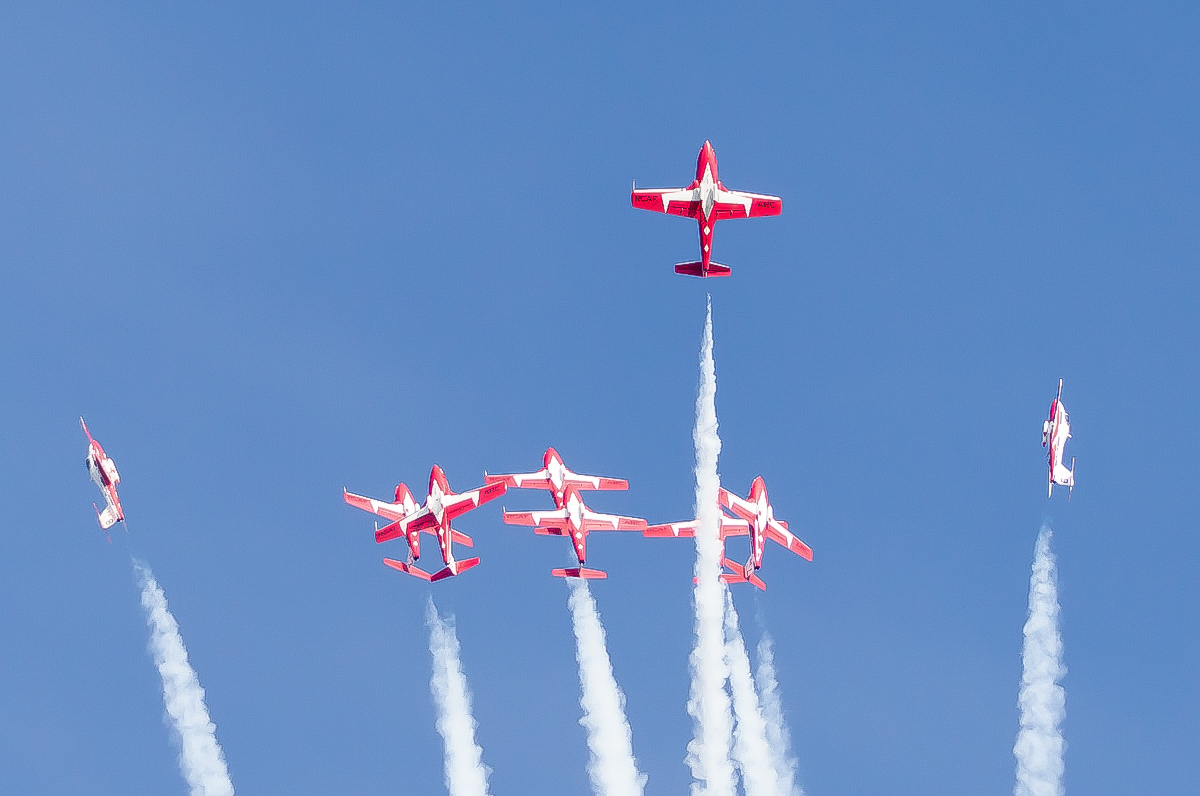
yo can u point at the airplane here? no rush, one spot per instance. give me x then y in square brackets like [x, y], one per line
[557, 478]
[434, 517]
[730, 526]
[707, 200]
[1055, 432]
[575, 520]
[760, 514]
[104, 472]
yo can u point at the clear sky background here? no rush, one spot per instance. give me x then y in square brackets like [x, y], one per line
[269, 251]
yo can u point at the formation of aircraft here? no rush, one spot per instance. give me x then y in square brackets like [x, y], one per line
[1056, 430]
[434, 516]
[708, 201]
[104, 472]
[753, 516]
[571, 516]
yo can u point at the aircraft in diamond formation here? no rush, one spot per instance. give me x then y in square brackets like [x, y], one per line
[104, 472]
[433, 517]
[1056, 430]
[708, 201]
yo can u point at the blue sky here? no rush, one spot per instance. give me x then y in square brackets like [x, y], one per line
[271, 251]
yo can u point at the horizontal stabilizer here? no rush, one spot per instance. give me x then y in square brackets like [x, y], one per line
[461, 538]
[388, 532]
[455, 568]
[697, 269]
[108, 518]
[408, 569]
[579, 572]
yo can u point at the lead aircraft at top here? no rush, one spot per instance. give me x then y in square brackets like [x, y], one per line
[707, 201]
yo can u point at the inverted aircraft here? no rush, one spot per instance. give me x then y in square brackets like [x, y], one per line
[103, 471]
[1056, 430]
[409, 520]
[708, 201]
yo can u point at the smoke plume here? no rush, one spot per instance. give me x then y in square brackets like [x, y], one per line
[779, 740]
[201, 760]
[708, 703]
[750, 749]
[611, 764]
[466, 775]
[1040, 746]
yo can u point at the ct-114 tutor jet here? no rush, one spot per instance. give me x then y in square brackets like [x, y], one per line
[707, 201]
[557, 478]
[756, 519]
[575, 520]
[410, 520]
[104, 472]
[1055, 432]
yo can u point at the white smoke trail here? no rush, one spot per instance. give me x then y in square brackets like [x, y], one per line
[200, 757]
[611, 764]
[708, 702]
[466, 774]
[779, 740]
[750, 750]
[1039, 747]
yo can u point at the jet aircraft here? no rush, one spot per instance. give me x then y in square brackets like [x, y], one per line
[707, 200]
[730, 526]
[104, 472]
[557, 478]
[434, 517]
[1056, 430]
[760, 514]
[575, 520]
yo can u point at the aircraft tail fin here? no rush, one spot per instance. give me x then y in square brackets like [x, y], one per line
[454, 568]
[579, 572]
[697, 269]
[408, 569]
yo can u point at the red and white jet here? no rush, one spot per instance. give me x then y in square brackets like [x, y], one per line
[575, 520]
[1056, 430]
[760, 514]
[410, 520]
[104, 472]
[557, 478]
[730, 526]
[707, 200]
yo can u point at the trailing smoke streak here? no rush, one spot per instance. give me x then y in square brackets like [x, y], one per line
[1039, 747]
[611, 764]
[708, 703]
[466, 775]
[750, 750]
[201, 760]
[779, 740]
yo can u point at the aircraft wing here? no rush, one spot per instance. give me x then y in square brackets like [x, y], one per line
[540, 519]
[595, 521]
[391, 511]
[595, 482]
[739, 204]
[420, 520]
[674, 201]
[463, 502]
[538, 480]
[729, 527]
[743, 508]
[778, 532]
